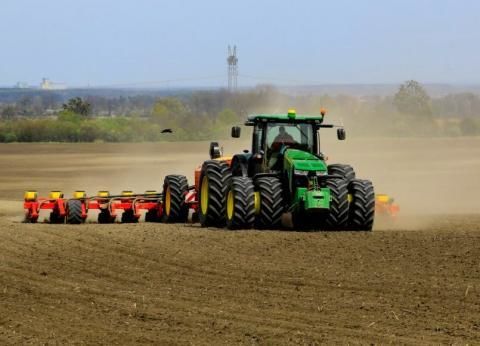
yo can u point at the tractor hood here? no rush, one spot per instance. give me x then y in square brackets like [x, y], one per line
[304, 161]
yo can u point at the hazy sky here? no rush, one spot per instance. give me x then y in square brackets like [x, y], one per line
[111, 42]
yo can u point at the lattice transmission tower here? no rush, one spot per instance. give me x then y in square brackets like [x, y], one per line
[232, 61]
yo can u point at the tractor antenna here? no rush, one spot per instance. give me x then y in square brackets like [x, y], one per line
[232, 62]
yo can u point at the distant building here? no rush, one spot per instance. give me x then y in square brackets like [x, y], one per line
[21, 85]
[47, 84]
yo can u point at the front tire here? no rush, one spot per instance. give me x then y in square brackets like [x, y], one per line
[362, 206]
[240, 213]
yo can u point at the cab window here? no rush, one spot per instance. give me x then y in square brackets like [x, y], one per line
[299, 136]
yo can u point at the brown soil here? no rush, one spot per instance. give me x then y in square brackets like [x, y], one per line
[413, 281]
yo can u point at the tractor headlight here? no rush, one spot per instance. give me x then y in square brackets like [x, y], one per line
[300, 172]
[320, 173]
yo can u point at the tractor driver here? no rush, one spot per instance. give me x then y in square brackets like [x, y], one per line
[281, 140]
[283, 137]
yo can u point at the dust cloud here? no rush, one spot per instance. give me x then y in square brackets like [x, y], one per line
[426, 176]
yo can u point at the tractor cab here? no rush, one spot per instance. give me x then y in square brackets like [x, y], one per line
[279, 137]
[273, 134]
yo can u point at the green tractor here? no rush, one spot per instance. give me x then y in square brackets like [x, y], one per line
[284, 173]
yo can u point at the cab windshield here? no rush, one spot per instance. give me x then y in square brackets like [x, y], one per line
[281, 136]
[298, 136]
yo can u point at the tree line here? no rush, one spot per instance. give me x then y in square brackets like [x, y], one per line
[204, 115]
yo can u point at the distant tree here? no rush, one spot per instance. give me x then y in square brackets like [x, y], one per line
[78, 106]
[24, 105]
[457, 105]
[469, 127]
[169, 112]
[412, 99]
[227, 117]
[37, 106]
[8, 112]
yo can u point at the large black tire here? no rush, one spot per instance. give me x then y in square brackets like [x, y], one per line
[271, 202]
[362, 205]
[175, 209]
[337, 217]
[345, 171]
[212, 196]
[74, 212]
[240, 213]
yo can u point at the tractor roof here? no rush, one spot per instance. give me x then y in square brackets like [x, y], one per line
[291, 116]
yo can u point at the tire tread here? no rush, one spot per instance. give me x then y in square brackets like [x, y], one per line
[74, 212]
[178, 188]
[271, 202]
[244, 203]
[362, 207]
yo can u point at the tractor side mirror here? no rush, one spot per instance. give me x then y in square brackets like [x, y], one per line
[236, 132]
[215, 151]
[341, 134]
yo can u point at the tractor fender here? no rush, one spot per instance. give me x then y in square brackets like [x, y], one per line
[239, 164]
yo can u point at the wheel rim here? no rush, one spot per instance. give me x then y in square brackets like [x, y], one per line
[257, 202]
[230, 205]
[168, 201]
[204, 195]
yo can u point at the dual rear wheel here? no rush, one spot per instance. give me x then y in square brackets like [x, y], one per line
[215, 180]
[361, 200]
[238, 202]
[361, 211]
[256, 203]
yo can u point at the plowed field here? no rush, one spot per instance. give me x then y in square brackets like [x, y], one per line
[413, 281]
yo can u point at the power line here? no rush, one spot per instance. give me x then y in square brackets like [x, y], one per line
[281, 80]
[157, 82]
